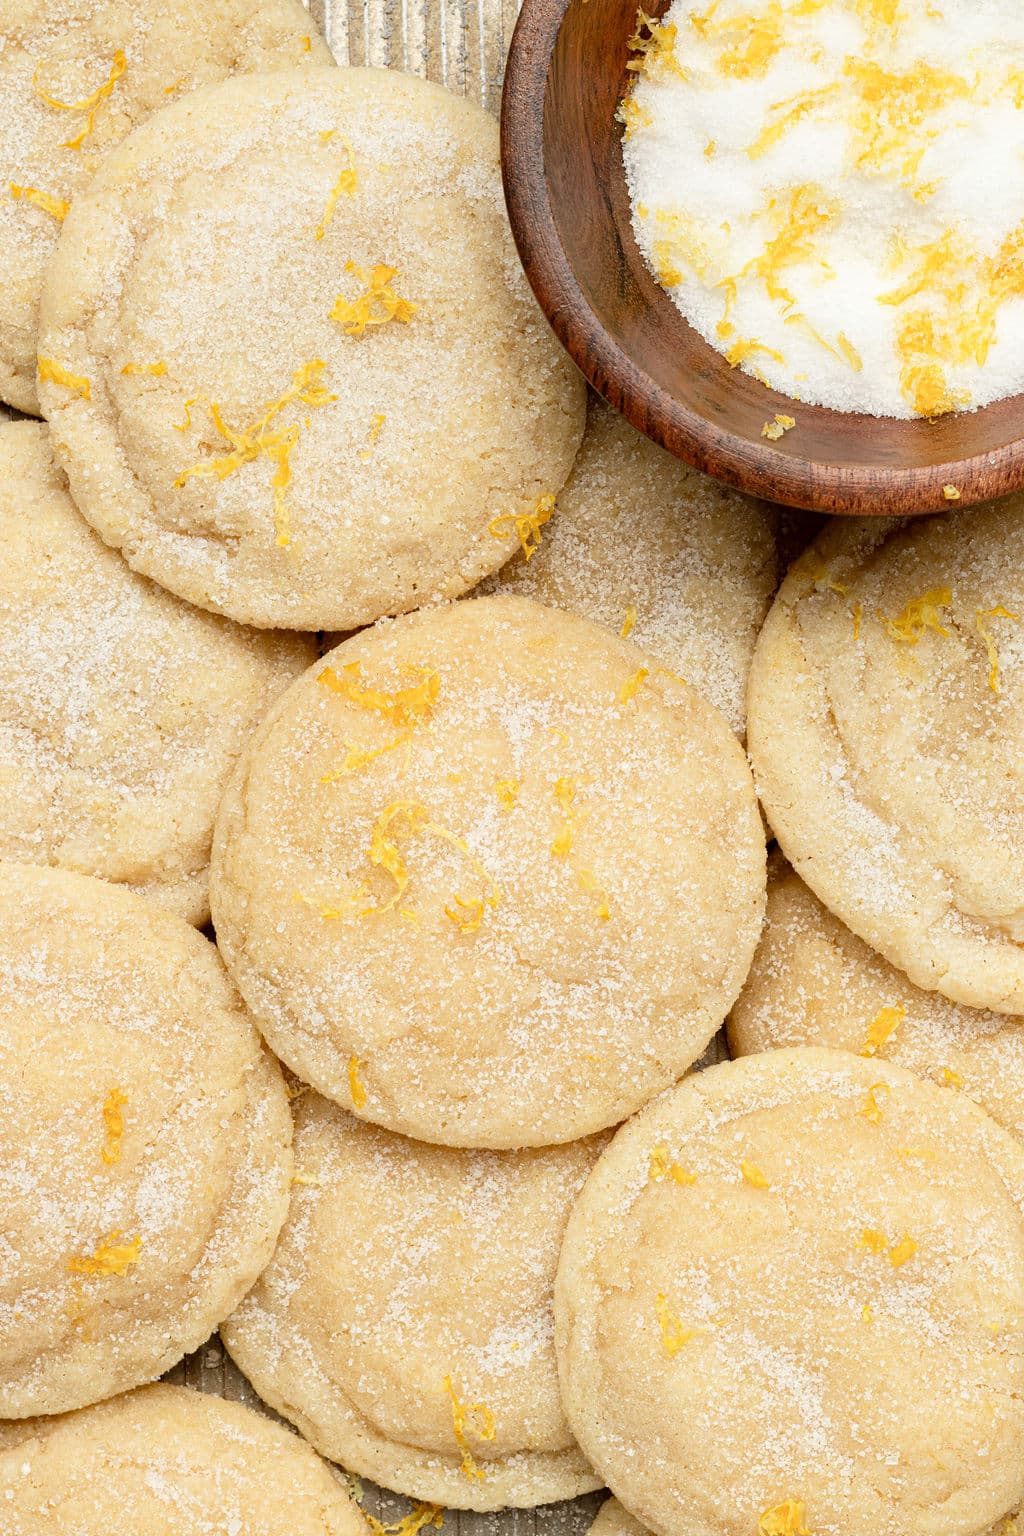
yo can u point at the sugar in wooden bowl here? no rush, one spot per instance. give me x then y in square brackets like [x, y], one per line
[572, 215]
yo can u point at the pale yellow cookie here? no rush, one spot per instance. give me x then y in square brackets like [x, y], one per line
[885, 728]
[655, 550]
[813, 982]
[75, 78]
[165, 1460]
[361, 397]
[488, 876]
[122, 710]
[405, 1322]
[791, 1298]
[613, 1520]
[145, 1147]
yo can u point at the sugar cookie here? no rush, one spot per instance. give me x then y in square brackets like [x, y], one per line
[813, 982]
[74, 79]
[122, 709]
[613, 1520]
[655, 550]
[791, 1297]
[405, 1322]
[164, 1459]
[885, 728]
[361, 402]
[145, 1158]
[488, 876]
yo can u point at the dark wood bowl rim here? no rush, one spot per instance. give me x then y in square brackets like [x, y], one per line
[759, 470]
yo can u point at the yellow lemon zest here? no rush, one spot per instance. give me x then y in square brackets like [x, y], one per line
[306, 1179]
[673, 1334]
[56, 207]
[882, 1028]
[785, 1519]
[526, 524]
[329, 913]
[897, 1253]
[586, 882]
[754, 1176]
[750, 41]
[981, 614]
[377, 306]
[951, 493]
[355, 1084]
[660, 1167]
[655, 45]
[784, 115]
[866, 1313]
[467, 914]
[632, 116]
[375, 429]
[631, 687]
[113, 1121]
[872, 1109]
[951, 1079]
[819, 573]
[258, 440]
[858, 614]
[891, 119]
[357, 758]
[58, 374]
[89, 104]
[345, 184]
[403, 708]
[843, 350]
[921, 613]
[469, 1419]
[628, 622]
[507, 791]
[419, 1516]
[111, 1257]
[156, 369]
[782, 424]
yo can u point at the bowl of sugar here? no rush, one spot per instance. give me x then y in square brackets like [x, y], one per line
[785, 238]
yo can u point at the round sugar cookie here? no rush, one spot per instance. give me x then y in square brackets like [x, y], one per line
[813, 982]
[405, 1322]
[791, 1298]
[164, 1459]
[488, 876]
[885, 728]
[654, 549]
[122, 709]
[75, 78]
[145, 1149]
[361, 396]
[613, 1520]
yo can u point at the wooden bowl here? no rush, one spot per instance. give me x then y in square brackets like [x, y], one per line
[569, 208]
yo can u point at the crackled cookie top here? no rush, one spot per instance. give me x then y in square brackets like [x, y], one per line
[293, 367]
[884, 726]
[657, 551]
[405, 1322]
[75, 78]
[122, 709]
[489, 876]
[145, 1156]
[165, 1459]
[813, 982]
[790, 1298]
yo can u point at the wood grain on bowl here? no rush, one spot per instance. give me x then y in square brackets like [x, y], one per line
[570, 215]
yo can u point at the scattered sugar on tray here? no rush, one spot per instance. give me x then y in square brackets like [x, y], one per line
[950, 166]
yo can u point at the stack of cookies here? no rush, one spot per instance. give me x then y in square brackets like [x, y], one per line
[381, 858]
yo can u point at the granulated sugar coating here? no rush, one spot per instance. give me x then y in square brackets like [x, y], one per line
[655, 550]
[292, 365]
[793, 1290]
[75, 77]
[164, 1460]
[146, 1142]
[122, 710]
[813, 982]
[489, 876]
[832, 193]
[884, 724]
[405, 1323]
